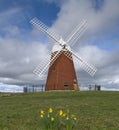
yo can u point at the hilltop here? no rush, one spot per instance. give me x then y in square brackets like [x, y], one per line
[95, 110]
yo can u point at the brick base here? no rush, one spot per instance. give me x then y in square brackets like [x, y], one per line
[61, 75]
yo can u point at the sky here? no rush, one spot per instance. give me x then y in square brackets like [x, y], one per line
[22, 47]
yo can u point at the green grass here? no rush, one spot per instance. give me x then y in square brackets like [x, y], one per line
[95, 110]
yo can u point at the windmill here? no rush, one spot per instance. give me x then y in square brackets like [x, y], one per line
[60, 66]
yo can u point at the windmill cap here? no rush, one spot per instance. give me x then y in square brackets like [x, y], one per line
[57, 47]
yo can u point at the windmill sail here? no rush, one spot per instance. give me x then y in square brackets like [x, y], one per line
[42, 27]
[41, 69]
[76, 33]
[83, 64]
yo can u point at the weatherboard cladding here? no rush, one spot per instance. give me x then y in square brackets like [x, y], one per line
[61, 74]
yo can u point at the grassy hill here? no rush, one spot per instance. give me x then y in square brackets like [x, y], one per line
[95, 110]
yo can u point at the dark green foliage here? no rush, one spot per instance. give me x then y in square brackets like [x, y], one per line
[95, 110]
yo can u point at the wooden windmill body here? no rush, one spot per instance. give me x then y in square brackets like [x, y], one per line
[60, 66]
[61, 74]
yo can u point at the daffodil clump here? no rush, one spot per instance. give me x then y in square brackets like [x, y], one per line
[57, 120]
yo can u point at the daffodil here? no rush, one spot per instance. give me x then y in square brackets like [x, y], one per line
[75, 118]
[67, 118]
[52, 119]
[42, 112]
[64, 114]
[50, 110]
[41, 116]
[60, 113]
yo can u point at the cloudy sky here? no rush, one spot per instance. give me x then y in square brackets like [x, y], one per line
[23, 47]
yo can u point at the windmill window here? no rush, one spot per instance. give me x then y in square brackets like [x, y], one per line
[66, 84]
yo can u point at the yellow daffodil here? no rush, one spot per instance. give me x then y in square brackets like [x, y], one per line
[52, 119]
[55, 119]
[50, 110]
[64, 114]
[75, 118]
[41, 116]
[67, 118]
[60, 113]
[42, 112]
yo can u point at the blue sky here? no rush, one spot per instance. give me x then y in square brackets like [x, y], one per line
[22, 47]
[28, 9]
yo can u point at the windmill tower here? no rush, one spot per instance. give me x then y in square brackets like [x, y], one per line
[61, 72]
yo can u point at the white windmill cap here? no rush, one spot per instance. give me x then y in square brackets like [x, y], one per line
[57, 47]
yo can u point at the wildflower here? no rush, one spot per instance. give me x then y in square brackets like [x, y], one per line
[60, 113]
[67, 118]
[52, 119]
[75, 118]
[64, 114]
[42, 112]
[50, 110]
[41, 115]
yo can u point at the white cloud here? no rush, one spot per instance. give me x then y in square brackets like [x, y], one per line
[8, 16]
[73, 11]
[18, 59]
[10, 88]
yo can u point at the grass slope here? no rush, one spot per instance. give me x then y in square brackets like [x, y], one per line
[95, 110]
